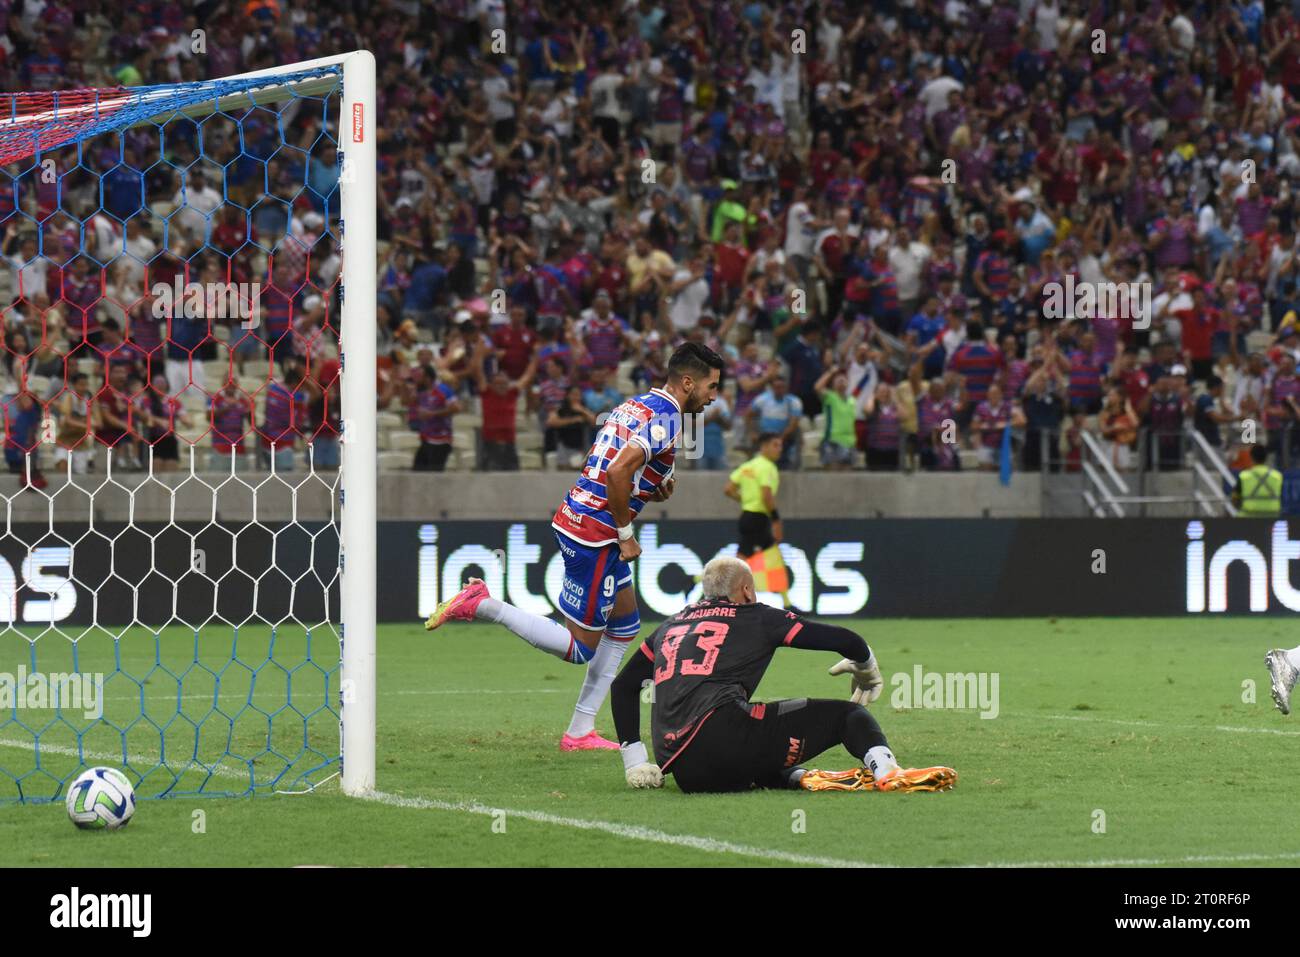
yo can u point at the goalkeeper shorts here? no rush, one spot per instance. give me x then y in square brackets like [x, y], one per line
[741, 745]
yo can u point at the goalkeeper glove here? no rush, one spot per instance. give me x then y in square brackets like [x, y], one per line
[639, 770]
[867, 682]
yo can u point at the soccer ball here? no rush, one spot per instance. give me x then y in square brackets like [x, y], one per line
[101, 798]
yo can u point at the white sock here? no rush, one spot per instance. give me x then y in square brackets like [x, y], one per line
[1293, 656]
[880, 761]
[601, 671]
[542, 633]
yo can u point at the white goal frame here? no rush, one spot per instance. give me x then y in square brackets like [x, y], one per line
[358, 483]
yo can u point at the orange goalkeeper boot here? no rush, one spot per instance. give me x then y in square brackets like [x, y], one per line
[917, 779]
[854, 779]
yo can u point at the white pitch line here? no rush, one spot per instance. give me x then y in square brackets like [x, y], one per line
[219, 770]
[712, 845]
[637, 832]
[1227, 729]
[634, 832]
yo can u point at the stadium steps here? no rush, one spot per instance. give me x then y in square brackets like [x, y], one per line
[252, 384]
[404, 442]
[394, 461]
[256, 367]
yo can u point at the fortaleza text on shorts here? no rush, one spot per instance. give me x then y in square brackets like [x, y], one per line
[73, 691]
[934, 689]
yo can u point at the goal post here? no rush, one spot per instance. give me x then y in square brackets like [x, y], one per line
[360, 440]
[205, 546]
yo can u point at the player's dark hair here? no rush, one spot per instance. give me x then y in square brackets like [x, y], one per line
[1259, 454]
[695, 360]
[766, 437]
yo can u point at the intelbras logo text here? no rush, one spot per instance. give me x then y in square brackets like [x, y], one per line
[1208, 570]
[822, 578]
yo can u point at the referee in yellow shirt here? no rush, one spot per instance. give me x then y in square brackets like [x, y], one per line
[754, 486]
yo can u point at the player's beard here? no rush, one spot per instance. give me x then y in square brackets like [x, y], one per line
[694, 404]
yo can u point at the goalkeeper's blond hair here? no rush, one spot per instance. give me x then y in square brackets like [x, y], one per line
[724, 576]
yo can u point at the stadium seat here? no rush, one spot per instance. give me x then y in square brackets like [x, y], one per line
[258, 368]
[394, 461]
[405, 442]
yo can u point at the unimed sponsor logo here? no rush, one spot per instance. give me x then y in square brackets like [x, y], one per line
[1208, 570]
[358, 122]
[77, 910]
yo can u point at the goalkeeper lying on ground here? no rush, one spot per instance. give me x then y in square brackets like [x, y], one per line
[707, 660]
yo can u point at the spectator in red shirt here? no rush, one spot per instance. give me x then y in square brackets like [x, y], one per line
[822, 162]
[1198, 326]
[730, 257]
[1132, 378]
[500, 401]
[515, 343]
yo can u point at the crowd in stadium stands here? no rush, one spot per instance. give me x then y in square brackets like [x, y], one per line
[869, 209]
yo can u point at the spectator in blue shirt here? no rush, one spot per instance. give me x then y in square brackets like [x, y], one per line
[803, 353]
[601, 396]
[921, 330]
[1036, 232]
[777, 411]
[424, 293]
[714, 422]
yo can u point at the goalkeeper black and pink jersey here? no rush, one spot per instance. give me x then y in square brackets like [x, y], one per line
[706, 655]
[652, 421]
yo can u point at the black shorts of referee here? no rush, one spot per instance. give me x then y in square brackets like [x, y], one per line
[755, 533]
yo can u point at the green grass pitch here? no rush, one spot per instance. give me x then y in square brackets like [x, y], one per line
[1143, 726]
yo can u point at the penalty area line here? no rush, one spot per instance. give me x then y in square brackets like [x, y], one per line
[633, 832]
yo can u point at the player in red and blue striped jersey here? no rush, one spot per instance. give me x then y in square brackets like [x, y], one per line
[630, 463]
